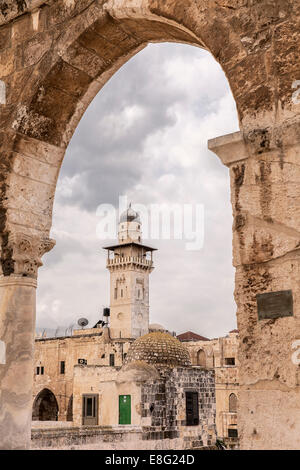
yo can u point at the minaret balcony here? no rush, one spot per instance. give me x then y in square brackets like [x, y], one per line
[126, 260]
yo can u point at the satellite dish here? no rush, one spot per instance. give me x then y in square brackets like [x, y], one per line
[83, 322]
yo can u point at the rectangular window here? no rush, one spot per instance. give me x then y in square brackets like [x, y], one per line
[42, 370]
[121, 292]
[90, 409]
[230, 361]
[232, 432]
[37, 371]
[112, 360]
[116, 292]
[62, 367]
[192, 409]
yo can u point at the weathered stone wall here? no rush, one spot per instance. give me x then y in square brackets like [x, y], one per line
[202, 381]
[266, 200]
[226, 376]
[105, 383]
[95, 348]
[158, 403]
[95, 438]
[164, 408]
[129, 316]
[93, 345]
[216, 350]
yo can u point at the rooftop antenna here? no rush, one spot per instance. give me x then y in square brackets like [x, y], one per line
[105, 316]
[83, 322]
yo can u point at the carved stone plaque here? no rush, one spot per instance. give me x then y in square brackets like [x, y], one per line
[275, 304]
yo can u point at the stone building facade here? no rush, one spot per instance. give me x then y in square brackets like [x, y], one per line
[99, 352]
[158, 391]
[156, 376]
[55, 359]
[118, 374]
[221, 355]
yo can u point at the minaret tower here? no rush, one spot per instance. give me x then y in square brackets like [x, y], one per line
[129, 263]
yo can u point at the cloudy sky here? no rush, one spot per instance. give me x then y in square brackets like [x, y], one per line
[145, 136]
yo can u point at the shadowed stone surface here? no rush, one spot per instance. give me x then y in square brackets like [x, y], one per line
[17, 321]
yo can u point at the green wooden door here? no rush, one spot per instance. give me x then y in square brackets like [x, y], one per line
[124, 409]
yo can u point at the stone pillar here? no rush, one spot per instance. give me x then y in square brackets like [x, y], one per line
[265, 194]
[20, 260]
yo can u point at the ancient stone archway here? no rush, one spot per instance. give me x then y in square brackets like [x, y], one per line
[45, 407]
[54, 58]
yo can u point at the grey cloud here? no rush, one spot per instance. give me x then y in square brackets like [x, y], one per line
[62, 249]
[198, 293]
[109, 164]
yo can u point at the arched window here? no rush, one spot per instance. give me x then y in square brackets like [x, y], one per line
[232, 403]
[45, 407]
[201, 358]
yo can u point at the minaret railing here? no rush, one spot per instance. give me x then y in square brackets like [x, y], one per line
[129, 260]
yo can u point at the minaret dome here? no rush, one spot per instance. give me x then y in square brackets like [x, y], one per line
[130, 226]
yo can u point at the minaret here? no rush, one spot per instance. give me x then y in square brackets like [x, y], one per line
[129, 263]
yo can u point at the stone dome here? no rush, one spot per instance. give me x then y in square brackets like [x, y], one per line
[156, 327]
[130, 215]
[159, 349]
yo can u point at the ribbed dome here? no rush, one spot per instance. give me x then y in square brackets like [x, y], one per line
[159, 349]
[130, 215]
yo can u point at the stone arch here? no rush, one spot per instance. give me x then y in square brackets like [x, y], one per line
[67, 77]
[201, 358]
[45, 406]
[70, 409]
[71, 70]
[233, 403]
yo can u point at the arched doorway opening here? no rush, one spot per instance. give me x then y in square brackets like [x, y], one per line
[145, 158]
[134, 117]
[201, 358]
[45, 406]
